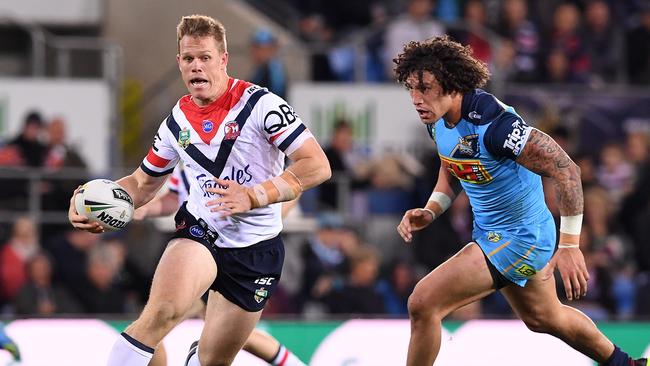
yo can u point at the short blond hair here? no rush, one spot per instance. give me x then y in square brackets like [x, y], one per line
[202, 26]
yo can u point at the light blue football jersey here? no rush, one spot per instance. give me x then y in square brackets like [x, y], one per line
[506, 198]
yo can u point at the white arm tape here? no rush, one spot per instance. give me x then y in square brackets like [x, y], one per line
[571, 224]
[442, 199]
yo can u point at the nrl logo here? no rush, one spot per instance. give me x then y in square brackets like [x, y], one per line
[184, 138]
[261, 294]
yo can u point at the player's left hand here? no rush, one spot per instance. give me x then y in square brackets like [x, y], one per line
[233, 198]
[573, 270]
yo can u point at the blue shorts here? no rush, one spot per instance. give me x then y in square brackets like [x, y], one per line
[518, 254]
[245, 276]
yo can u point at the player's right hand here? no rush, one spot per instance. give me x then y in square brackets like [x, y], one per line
[414, 219]
[79, 221]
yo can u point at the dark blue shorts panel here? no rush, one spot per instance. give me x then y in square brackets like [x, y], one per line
[245, 276]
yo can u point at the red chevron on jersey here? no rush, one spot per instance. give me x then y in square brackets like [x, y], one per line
[156, 160]
[207, 120]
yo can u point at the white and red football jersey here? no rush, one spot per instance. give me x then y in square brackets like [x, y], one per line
[243, 136]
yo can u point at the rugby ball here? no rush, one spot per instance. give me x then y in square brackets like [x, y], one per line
[105, 202]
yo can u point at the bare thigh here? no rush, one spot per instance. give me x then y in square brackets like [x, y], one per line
[226, 329]
[185, 271]
[537, 299]
[462, 279]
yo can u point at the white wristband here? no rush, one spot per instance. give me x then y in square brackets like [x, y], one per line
[433, 214]
[571, 224]
[441, 199]
[568, 246]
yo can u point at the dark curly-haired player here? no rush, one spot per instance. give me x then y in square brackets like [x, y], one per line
[488, 150]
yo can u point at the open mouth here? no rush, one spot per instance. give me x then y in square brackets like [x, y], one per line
[198, 82]
[422, 112]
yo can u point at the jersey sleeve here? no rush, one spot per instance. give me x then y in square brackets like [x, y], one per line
[506, 136]
[162, 157]
[281, 125]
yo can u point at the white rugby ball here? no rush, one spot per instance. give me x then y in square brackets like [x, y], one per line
[105, 202]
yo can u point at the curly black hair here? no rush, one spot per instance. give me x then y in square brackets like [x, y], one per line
[452, 64]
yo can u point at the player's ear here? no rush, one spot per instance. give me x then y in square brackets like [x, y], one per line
[224, 60]
[178, 60]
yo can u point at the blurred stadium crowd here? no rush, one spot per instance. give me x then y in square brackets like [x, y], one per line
[352, 262]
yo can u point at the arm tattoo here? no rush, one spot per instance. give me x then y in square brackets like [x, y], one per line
[542, 155]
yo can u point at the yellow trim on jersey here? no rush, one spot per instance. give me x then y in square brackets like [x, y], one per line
[495, 251]
[519, 260]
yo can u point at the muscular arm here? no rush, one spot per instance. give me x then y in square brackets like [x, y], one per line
[446, 184]
[161, 205]
[141, 186]
[310, 165]
[542, 155]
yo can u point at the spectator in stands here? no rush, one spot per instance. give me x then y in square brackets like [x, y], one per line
[39, 296]
[523, 34]
[14, 256]
[638, 48]
[70, 253]
[101, 294]
[567, 60]
[603, 42]
[416, 24]
[397, 287]
[325, 257]
[634, 215]
[343, 163]
[358, 295]
[587, 170]
[615, 173]
[475, 35]
[438, 241]
[28, 143]
[269, 69]
[25, 150]
[60, 155]
[314, 30]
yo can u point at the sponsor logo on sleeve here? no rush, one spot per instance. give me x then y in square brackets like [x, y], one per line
[517, 137]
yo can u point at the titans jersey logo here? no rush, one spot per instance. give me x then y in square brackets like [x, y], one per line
[467, 147]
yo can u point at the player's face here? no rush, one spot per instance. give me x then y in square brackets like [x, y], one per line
[427, 97]
[203, 68]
